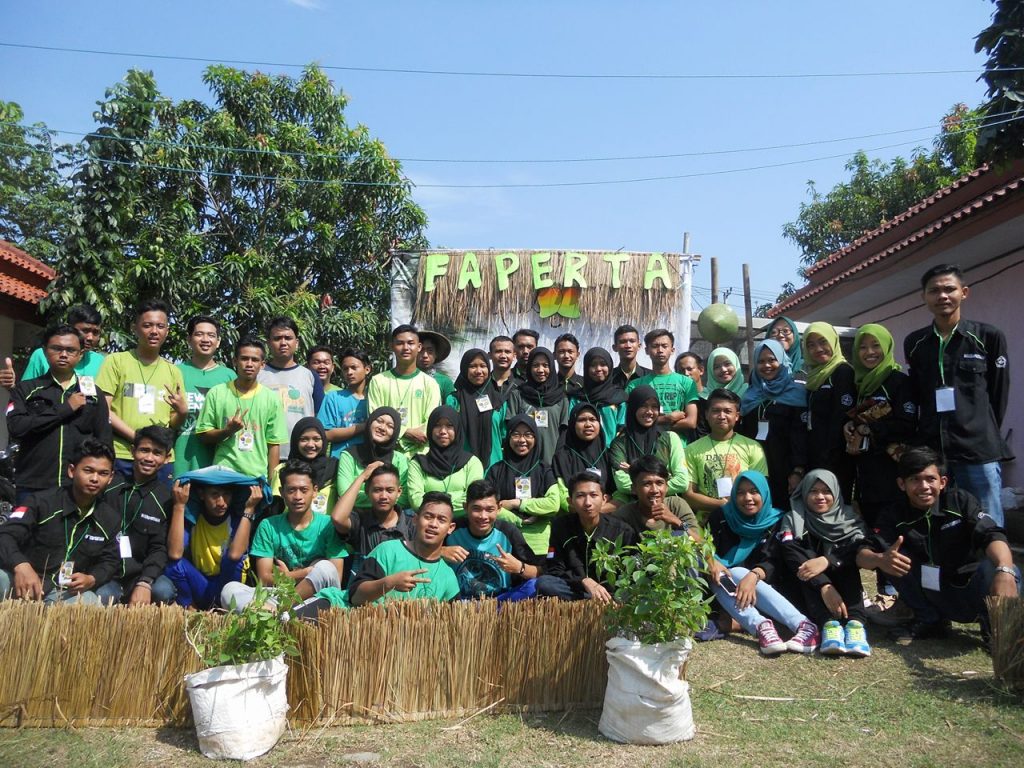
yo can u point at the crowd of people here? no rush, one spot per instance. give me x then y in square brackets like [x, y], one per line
[142, 480]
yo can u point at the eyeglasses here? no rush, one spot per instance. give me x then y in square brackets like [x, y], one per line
[57, 350]
[783, 332]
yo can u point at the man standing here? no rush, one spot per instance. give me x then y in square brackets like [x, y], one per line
[524, 340]
[626, 344]
[141, 387]
[320, 360]
[200, 375]
[434, 350]
[676, 393]
[503, 356]
[300, 390]
[567, 352]
[84, 319]
[960, 375]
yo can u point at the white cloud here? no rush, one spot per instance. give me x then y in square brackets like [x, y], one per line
[309, 5]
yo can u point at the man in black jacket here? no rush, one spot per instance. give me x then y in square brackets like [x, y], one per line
[50, 416]
[60, 544]
[144, 504]
[960, 375]
[569, 573]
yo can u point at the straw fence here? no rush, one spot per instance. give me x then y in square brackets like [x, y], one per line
[448, 307]
[1006, 615]
[90, 666]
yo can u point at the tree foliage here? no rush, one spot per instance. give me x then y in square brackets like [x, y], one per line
[34, 201]
[878, 190]
[1001, 138]
[264, 202]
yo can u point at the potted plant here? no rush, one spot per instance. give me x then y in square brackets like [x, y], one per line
[659, 602]
[239, 701]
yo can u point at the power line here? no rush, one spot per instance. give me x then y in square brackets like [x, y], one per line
[521, 75]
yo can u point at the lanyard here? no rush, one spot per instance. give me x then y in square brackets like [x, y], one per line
[125, 523]
[522, 474]
[142, 372]
[71, 544]
[714, 449]
[599, 456]
[943, 343]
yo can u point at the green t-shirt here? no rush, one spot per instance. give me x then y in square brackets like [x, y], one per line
[394, 556]
[277, 539]
[675, 391]
[189, 451]
[709, 459]
[414, 397]
[38, 366]
[246, 451]
[323, 501]
[455, 484]
[349, 469]
[669, 449]
[137, 392]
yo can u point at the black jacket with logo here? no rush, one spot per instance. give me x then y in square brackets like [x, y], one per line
[48, 529]
[144, 511]
[976, 365]
[826, 414]
[570, 555]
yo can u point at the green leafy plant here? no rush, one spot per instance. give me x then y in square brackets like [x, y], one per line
[257, 633]
[659, 594]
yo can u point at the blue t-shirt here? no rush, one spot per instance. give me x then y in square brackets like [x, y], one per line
[478, 574]
[340, 409]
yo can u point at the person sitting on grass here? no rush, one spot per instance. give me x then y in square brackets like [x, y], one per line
[569, 572]
[643, 435]
[820, 538]
[654, 509]
[582, 447]
[60, 545]
[365, 528]
[744, 564]
[144, 504]
[490, 556]
[204, 556]
[300, 542]
[942, 551]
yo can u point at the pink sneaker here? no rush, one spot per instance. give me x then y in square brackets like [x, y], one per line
[768, 639]
[805, 640]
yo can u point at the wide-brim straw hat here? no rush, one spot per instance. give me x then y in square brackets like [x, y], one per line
[441, 344]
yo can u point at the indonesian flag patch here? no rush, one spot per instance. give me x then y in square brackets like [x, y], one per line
[18, 512]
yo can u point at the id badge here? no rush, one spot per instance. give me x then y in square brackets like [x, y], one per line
[930, 577]
[723, 487]
[124, 544]
[541, 418]
[319, 503]
[594, 471]
[945, 399]
[762, 431]
[67, 569]
[403, 414]
[246, 440]
[147, 403]
[87, 386]
[523, 488]
[483, 404]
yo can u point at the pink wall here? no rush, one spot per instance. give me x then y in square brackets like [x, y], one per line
[997, 298]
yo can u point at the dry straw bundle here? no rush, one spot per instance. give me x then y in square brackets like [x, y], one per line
[449, 308]
[92, 666]
[1006, 615]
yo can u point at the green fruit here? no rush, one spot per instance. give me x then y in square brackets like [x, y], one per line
[718, 323]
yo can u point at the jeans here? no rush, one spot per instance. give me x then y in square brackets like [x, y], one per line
[196, 588]
[49, 598]
[323, 575]
[964, 604]
[769, 600]
[846, 581]
[113, 591]
[984, 482]
[555, 586]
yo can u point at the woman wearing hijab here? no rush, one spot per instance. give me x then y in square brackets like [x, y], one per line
[784, 331]
[541, 397]
[831, 393]
[745, 563]
[527, 490]
[309, 443]
[723, 372]
[642, 436]
[601, 392]
[582, 448]
[820, 538]
[446, 466]
[774, 410]
[481, 407]
[380, 440]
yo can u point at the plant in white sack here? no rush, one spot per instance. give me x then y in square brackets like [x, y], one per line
[658, 604]
[240, 702]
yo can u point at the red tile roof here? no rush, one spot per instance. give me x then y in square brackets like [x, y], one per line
[21, 277]
[852, 259]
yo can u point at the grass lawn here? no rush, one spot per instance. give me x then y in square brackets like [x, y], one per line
[931, 704]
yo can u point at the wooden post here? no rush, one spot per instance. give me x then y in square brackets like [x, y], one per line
[714, 279]
[749, 312]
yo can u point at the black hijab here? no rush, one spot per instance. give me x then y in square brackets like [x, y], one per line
[551, 392]
[573, 455]
[368, 451]
[325, 467]
[474, 424]
[512, 467]
[600, 393]
[442, 462]
[639, 440]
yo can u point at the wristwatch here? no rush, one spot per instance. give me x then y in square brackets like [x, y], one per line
[1007, 569]
[249, 516]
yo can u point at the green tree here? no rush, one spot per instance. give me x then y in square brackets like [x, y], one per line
[787, 290]
[265, 202]
[34, 200]
[878, 190]
[1001, 138]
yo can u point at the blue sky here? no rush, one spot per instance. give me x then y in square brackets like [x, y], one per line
[737, 216]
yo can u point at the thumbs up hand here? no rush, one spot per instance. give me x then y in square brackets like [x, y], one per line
[7, 377]
[894, 563]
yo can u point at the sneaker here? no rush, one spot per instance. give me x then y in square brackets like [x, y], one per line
[920, 630]
[856, 639]
[805, 640]
[886, 611]
[833, 639]
[768, 639]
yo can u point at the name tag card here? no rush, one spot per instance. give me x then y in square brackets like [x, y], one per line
[87, 386]
[723, 486]
[930, 577]
[945, 399]
[762, 431]
[246, 440]
[523, 490]
[147, 403]
[483, 404]
[124, 544]
[541, 417]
